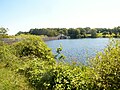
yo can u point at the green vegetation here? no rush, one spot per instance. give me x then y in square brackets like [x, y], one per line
[16, 56]
[30, 65]
[3, 32]
[76, 32]
[106, 67]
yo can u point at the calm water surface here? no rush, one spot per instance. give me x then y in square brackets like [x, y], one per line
[79, 50]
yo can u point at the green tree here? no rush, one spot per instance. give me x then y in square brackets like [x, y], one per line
[83, 32]
[73, 33]
[118, 29]
[115, 31]
[93, 33]
[3, 30]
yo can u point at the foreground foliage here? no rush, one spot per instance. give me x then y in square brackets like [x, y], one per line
[106, 65]
[29, 65]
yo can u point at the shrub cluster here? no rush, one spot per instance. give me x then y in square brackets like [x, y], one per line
[14, 57]
[106, 65]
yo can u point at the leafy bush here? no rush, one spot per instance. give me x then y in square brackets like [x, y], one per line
[33, 46]
[9, 78]
[6, 55]
[107, 67]
[58, 76]
[13, 57]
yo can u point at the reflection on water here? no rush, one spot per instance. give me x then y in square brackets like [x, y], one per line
[79, 49]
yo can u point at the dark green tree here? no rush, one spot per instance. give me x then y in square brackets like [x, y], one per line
[3, 30]
[93, 33]
[115, 31]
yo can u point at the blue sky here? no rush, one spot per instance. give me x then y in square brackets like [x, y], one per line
[22, 15]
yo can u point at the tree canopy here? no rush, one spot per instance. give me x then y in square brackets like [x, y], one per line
[3, 30]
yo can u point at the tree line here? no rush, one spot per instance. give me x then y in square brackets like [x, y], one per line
[75, 33]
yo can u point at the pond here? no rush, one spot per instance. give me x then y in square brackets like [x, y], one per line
[79, 50]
